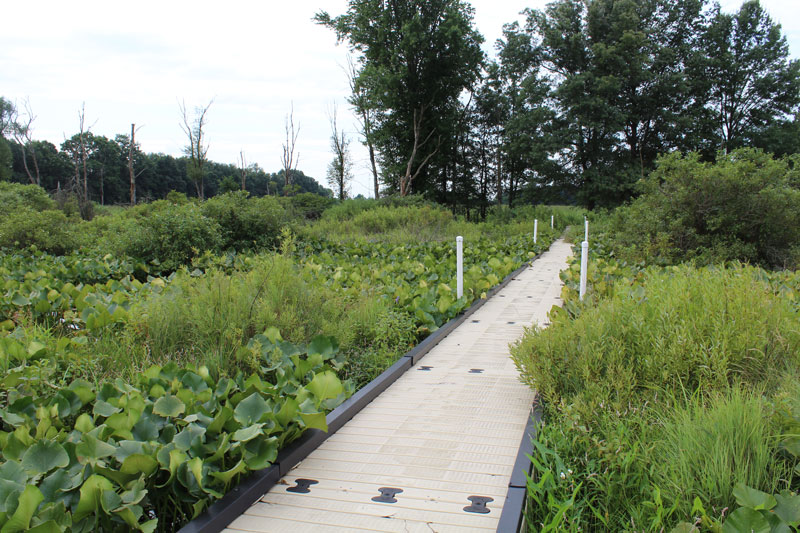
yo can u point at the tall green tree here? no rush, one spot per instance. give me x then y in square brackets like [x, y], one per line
[415, 58]
[751, 81]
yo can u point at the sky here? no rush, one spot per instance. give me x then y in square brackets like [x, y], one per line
[136, 62]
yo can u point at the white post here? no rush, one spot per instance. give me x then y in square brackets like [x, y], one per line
[551, 222]
[535, 229]
[459, 266]
[586, 229]
[584, 266]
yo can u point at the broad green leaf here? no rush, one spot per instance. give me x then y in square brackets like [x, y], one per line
[261, 453]
[251, 409]
[755, 499]
[325, 385]
[90, 494]
[788, 507]
[287, 412]
[227, 475]
[51, 526]
[139, 463]
[44, 456]
[109, 501]
[248, 433]
[315, 420]
[169, 406]
[29, 500]
[90, 449]
[745, 520]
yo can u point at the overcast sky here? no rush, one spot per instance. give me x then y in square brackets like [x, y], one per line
[135, 61]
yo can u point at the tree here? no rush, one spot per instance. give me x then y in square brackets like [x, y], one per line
[416, 58]
[751, 82]
[197, 149]
[340, 168]
[23, 135]
[365, 113]
[288, 159]
[7, 113]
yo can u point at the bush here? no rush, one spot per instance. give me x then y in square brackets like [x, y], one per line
[746, 206]
[48, 230]
[14, 196]
[309, 205]
[171, 235]
[246, 223]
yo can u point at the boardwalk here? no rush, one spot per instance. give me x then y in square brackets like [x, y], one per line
[446, 431]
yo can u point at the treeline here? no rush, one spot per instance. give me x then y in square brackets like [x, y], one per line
[579, 103]
[107, 173]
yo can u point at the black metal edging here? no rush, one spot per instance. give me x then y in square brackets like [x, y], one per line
[225, 510]
[511, 519]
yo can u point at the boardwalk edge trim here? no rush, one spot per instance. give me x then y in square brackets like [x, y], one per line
[240, 498]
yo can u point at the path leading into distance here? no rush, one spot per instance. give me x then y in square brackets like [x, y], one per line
[446, 430]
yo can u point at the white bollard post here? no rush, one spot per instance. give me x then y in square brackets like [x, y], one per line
[459, 266]
[586, 229]
[584, 267]
[551, 222]
[535, 229]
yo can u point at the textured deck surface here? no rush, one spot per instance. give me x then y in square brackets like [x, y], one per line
[440, 434]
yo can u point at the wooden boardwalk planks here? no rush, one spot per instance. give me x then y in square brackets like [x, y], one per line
[440, 434]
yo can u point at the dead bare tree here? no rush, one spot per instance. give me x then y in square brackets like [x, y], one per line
[131, 173]
[23, 135]
[243, 168]
[83, 134]
[197, 150]
[358, 99]
[340, 169]
[288, 159]
[408, 178]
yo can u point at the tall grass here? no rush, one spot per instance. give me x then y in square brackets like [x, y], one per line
[658, 395]
[708, 446]
[206, 320]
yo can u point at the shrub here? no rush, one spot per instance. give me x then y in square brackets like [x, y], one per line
[14, 196]
[746, 206]
[246, 223]
[170, 236]
[48, 230]
[309, 205]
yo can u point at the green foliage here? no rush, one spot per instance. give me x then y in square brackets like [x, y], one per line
[746, 206]
[703, 308]
[310, 206]
[14, 196]
[708, 447]
[245, 223]
[168, 235]
[47, 230]
[657, 392]
[151, 456]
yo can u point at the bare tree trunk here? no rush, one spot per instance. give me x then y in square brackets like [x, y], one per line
[243, 168]
[102, 192]
[288, 159]
[131, 173]
[24, 137]
[83, 154]
[408, 178]
[339, 174]
[499, 178]
[197, 150]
